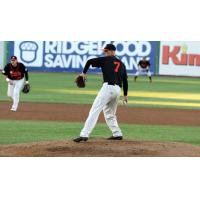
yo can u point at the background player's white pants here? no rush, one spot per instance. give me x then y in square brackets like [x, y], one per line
[142, 71]
[106, 100]
[14, 91]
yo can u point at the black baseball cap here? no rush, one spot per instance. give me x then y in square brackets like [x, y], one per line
[109, 47]
[13, 58]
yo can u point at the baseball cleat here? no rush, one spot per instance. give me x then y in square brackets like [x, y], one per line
[79, 139]
[115, 138]
[13, 109]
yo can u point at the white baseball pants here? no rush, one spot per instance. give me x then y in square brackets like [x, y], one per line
[14, 90]
[142, 71]
[106, 100]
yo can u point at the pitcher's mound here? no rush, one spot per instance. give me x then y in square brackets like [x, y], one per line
[100, 147]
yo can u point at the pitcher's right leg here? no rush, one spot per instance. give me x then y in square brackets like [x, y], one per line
[111, 119]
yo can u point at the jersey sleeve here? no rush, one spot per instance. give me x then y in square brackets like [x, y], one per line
[125, 81]
[95, 62]
[6, 70]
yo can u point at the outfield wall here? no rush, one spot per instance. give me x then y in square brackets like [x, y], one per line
[1, 54]
[181, 58]
[71, 56]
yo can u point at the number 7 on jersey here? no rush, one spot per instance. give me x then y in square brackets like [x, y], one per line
[117, 65]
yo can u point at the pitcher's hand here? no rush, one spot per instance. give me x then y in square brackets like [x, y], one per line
[125, 100]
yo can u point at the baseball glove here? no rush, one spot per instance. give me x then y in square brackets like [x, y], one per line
[26, 88]
[80, 81]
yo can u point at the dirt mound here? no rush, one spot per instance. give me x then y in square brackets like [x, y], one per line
[100, 147]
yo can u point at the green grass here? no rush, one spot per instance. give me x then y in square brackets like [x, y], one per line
[33, 131]
[40, 82]
[59, 87]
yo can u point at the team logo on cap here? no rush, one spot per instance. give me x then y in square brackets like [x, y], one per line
[28, 51]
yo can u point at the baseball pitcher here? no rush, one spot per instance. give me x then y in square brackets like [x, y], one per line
[143, 68]
[114, 77]
[16, 74]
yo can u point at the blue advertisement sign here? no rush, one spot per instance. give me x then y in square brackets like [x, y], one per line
[71, 56]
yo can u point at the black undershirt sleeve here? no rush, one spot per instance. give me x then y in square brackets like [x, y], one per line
[95, 62]
[26, 75]
[125, 86]
[125, 82]
[5, 70]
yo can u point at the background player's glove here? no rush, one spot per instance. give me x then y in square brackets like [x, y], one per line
[26, 88]
[80, 81]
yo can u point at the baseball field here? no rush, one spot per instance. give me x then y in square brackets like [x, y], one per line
[161, 119]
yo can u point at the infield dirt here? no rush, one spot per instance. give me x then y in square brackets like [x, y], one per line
[100, 147]
[78, 113]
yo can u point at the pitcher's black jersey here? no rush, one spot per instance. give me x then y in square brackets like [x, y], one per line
[114, 71]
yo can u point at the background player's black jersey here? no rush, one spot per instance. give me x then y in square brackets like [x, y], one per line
[15, 73]
[144, 63]
[114, 71]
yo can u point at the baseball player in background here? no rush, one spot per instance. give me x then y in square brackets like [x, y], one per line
[143, 68]
[114, 77]
[16, 75]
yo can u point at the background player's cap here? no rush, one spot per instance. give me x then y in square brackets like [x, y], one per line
[109, 47]
[13, 58]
